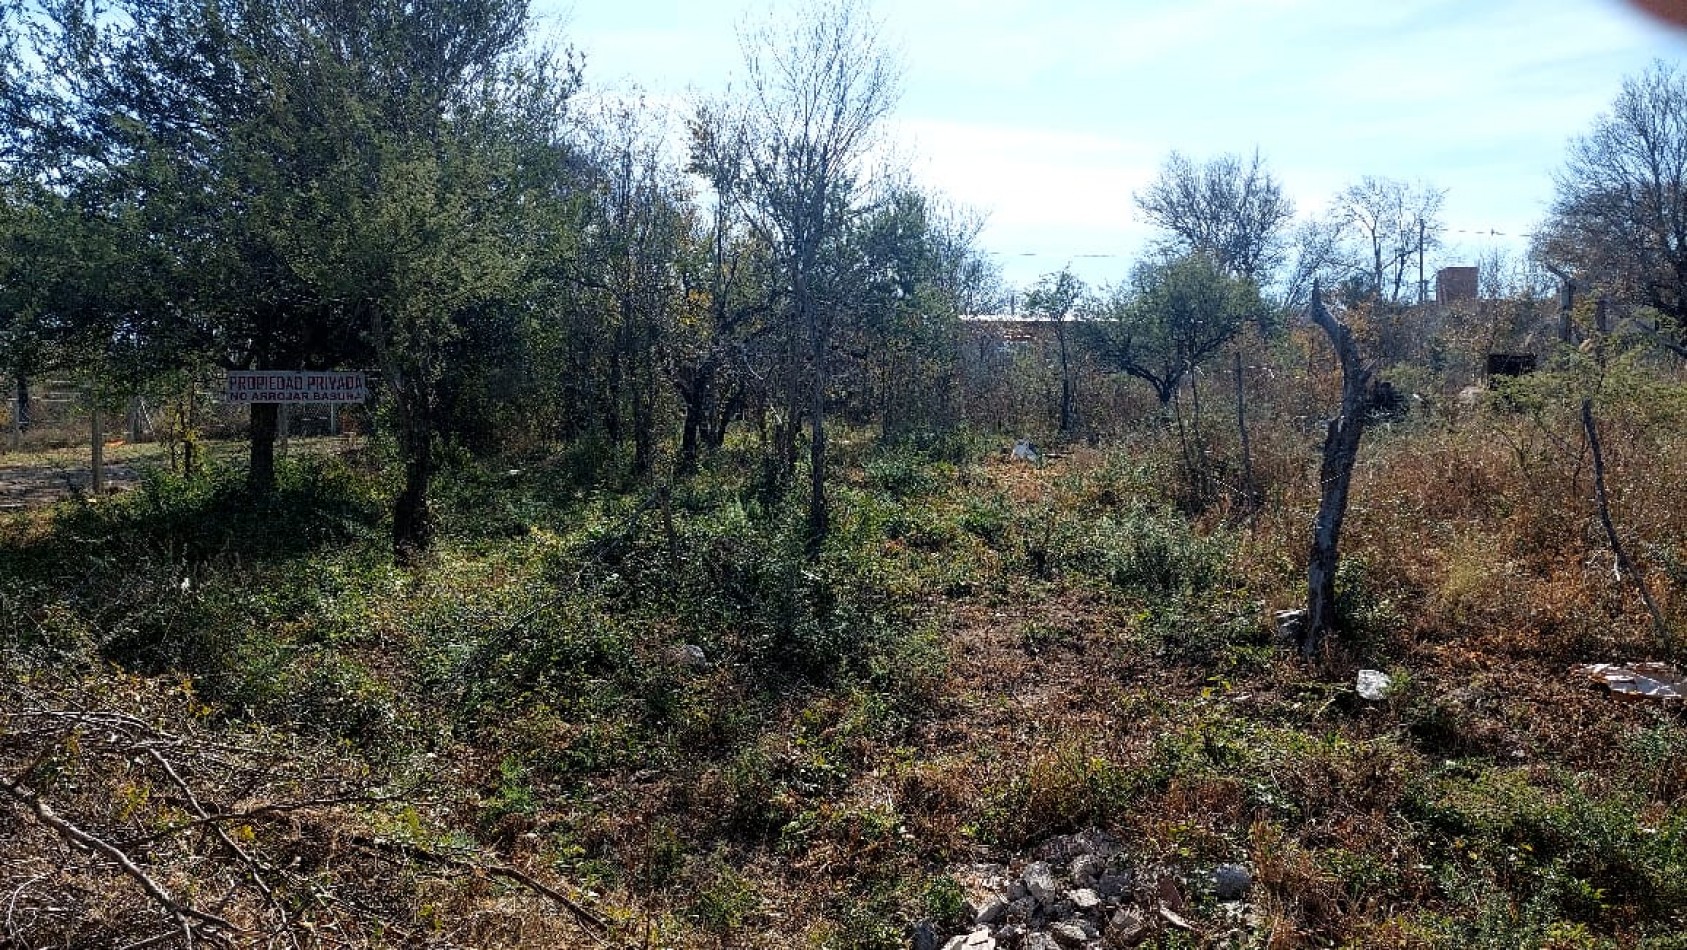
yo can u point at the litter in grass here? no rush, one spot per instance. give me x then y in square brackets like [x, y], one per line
[1638, 680]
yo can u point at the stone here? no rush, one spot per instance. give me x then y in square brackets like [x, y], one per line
[1231, 881]
[1069, 934]
[1084, 900]
[991, 912]
[923, 935]
[1086, 869]
[979, 939]
[690, 656]
[1373, 684]
[1010, 935]
[1023, 908]
[1290, 624]
[1113, 884]
[1126, 929]
[1039, 882]
[1025, 451]
[1016, 889]
[1039, 941]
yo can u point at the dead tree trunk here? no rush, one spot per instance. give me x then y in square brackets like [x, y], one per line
[1624, 564]
[1335, 474]
[1250, 494]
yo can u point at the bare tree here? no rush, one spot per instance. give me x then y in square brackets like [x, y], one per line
[1619, 222]
[1397, 223]
[818, 86]
[1321, 255]
[1228, 207]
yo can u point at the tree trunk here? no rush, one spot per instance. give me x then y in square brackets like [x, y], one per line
[96, 425]
[1624, 563]
[1066, 395]
[412, 524]
[819, 518]
[1250, 494]
[1335, 474]
[260, 476]
[23, 421]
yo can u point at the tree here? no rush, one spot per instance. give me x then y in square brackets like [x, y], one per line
[1321, 255]
[1057, 298]
[444, 158]
[819, 86]
[1397, 223]
[1172, 317]
[726, 303]
[1619, 221]
[920, 273]
[1335, 475]
[1229, 208]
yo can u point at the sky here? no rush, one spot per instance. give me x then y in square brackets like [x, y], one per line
[1047, 116]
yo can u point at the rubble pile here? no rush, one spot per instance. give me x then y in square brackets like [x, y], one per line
[1077, 892]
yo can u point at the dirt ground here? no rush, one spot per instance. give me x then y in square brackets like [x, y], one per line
[36, 477]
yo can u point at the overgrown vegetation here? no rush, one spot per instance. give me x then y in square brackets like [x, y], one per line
[574, 644]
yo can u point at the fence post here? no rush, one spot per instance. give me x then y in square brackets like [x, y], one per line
[97, 424]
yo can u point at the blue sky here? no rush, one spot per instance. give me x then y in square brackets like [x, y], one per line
[1047, 116]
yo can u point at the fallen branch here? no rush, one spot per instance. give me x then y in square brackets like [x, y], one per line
[261, 811]
[593, 923]
[184, 914]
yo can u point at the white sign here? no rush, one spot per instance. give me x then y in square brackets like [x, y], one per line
[282, 386]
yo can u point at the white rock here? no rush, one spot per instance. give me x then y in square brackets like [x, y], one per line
[991, 911]
[1084, 900]
[1126, 929]
[1069, 934]
[1039, 882]
[1086, 869]
[1373, 684]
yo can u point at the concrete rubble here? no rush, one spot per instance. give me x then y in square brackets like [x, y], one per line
[1084, 892]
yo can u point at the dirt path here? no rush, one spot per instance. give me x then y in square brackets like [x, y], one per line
[35, 478]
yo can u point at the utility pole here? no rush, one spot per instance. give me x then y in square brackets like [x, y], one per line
[1423, 286]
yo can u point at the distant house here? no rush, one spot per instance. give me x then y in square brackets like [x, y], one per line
[990, 336]
[1456, 284]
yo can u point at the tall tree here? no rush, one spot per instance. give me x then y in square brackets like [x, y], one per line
[818, 87]
[1230, 208]
[1619, 221]
[1397, 223]
[445, 152]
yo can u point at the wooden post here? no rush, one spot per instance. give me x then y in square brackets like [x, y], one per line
[97, 427]
[1335, 474]
[285, 425]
